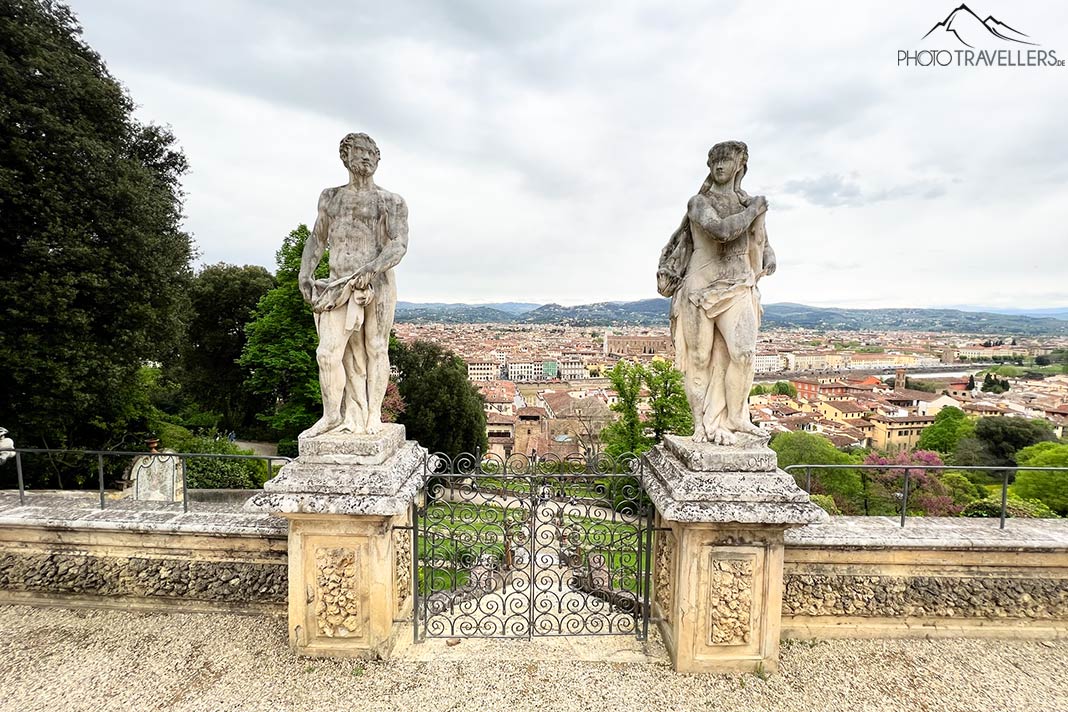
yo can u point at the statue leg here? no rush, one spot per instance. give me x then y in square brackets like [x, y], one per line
[716, 410]
[333, 339]
[739, 325]
[376, 328]
[355, 402]
[697, 333]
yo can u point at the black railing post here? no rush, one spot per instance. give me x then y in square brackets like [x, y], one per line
[905, 499]
[646, 552]
[416, 583]
[100, 476]
[1004, 496]
[185, 484]
[22, 485]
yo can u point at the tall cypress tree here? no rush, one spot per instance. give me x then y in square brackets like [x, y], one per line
[95, 264]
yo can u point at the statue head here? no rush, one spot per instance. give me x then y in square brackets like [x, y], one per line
[360, 154]
[727, 163]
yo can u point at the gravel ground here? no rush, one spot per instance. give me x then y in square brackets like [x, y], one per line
[59, 659]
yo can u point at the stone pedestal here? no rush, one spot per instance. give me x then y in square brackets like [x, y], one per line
[718, 554]
[348, 500]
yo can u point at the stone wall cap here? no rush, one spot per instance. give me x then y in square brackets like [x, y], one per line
[136, 516]
[944, 533]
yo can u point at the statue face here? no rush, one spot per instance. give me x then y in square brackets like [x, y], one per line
[362, 159]
[723, 167]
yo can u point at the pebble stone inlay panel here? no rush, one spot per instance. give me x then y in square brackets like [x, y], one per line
[731, 600]
[929, 596]
[337, 606]
[665, 568]
[215, 581]
[402, 564]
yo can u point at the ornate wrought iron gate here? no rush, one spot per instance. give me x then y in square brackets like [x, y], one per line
[524, 546]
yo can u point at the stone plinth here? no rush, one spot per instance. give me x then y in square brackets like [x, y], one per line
[348, 503]
[342, 449]
[718, 558]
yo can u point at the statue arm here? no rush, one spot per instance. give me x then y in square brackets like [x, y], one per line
[725, 229]
[770, 264]
[314, 247]
[396, 238]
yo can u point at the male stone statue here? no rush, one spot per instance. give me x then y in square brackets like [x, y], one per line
[710, 268]
[366, 230]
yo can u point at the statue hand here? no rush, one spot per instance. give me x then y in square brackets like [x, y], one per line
[363, 278]
[759, 205]
[305, 284]
[769, 268]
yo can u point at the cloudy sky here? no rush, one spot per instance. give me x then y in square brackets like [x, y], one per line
[547, 149]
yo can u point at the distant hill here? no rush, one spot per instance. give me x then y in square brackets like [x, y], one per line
[654, 312]
[413, 313]
[1053, 313]
[948, 320]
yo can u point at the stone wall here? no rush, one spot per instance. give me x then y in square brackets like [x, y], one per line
[141, 555]
[989, 594]
[868, 577]
[174, 578]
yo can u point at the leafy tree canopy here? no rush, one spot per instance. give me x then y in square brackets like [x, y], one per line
[669, 411]
[1049, 487]
[96, 266]
[224, 298]
[279, 351]
[950, 426]
[442, 409]
[1003, 436]
[627, 433]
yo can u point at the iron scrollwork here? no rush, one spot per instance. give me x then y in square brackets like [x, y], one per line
[520, 547]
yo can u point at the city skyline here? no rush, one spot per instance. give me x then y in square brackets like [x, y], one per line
[547, 153]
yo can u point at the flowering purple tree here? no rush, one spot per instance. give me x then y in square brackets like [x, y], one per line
[927, 495]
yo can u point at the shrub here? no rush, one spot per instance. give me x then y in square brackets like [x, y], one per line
[287, 448]
[1014, 507]
[960, 488]
[826, 503]
[216, 473]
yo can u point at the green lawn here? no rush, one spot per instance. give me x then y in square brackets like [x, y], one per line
[455, 535]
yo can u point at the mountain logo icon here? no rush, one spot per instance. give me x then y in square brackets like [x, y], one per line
[970, 30]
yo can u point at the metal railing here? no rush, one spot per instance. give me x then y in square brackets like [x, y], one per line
[1005, 470]
[182, 459]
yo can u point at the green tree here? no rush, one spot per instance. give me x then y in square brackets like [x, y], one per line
[442, 409]
[950, 426]
[971, 381]
[626, 434]
[96, 266]
[960, 488]
[800, 448]
[1003, 436]
[224, 298]
[669, 410]
[784, 388]
[1049, 487]
[279, 351]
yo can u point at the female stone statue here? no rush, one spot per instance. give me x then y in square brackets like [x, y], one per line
[710, 268]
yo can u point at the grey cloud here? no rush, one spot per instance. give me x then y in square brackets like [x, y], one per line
[832, 191]
[828, 191]
[595, 116]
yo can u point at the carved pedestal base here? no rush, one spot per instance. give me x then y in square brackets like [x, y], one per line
[350, 558]
[718, 563]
